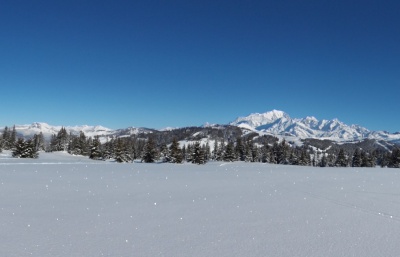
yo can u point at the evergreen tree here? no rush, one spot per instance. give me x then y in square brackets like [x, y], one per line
[108, 152]
[207, 151]
[164, 153]
[38, 141]
[149, 151]
[293, 159]
[255, 153]
[83, 144]
[229, 155]
[240, 150]
[394, 161]
[24, 149]
[184, 153]
[19, 148]
[60, 141]
[198, 154]
[341, 160]
[13, 137]
[175, 152]
[248, 148]
[220, 152]
[6, 139]
[265, 153]
[189, 152]
[95, 151]
[214, 152]
[120, 151]
[356, 162]
[324, 161]
[304, 159]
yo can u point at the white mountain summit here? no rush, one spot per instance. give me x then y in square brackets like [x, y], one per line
[280, 123]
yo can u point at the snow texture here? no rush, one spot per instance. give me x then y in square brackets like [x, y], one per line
[62, 205]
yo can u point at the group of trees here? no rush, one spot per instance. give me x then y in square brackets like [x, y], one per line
[25, 149]
[20, 147]
[8, 138]
[228, 145]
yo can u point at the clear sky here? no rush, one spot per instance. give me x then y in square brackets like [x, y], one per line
[181, 63]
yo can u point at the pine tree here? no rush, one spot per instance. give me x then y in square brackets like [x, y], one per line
[13, 137]
[229, 155]
[120, 151]
[265, 153]
[95, 151]
[83, 144]
[255, 154]
[175, 153]
[356, 162]
[189, 151]
[6, 138]
[30, 149]
[149, 151]
[220, 152]
[341, 160]
[394, 161]
[108, 152]
[164, 153]
[38, 141]
[207, 151]
[240, 150]
[198, 154]
[324, 161]
[214, 152]
[24, 149]
[293, 159]
[304, 159]
[248, 151]
[19, 148]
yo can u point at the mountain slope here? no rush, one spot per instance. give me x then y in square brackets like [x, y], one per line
[280, 123]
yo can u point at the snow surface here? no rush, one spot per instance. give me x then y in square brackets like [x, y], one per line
[62, 205]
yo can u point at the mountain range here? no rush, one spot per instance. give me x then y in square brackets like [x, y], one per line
[280, 123]
[275, 122]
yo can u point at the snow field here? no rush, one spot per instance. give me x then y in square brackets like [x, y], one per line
[60, 205]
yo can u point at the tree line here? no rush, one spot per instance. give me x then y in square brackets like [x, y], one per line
[229, 145]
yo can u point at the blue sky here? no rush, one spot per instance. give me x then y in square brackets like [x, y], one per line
[180, 63]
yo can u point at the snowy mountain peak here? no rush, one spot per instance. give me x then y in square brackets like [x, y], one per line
[279, 123]
[255, 120]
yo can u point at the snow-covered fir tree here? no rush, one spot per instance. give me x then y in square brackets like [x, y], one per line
[341, 160]
[175, 152]
[394, 161]
[356, 161]
[229, 155]
[120, 151]
[150, 151]
[198, 154]
[24, 149]
[95, 150]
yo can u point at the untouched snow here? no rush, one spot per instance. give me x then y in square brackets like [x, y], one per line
[61, 205]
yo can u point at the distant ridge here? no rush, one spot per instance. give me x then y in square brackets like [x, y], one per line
[280, 123]
[273, 122]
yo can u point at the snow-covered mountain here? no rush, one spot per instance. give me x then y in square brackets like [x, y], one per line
[280, 123]
[274, 122]
[47, 130]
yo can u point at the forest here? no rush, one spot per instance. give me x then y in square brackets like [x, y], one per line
[199, 145]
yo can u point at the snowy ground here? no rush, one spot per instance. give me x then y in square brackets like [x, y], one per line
[61, 205]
